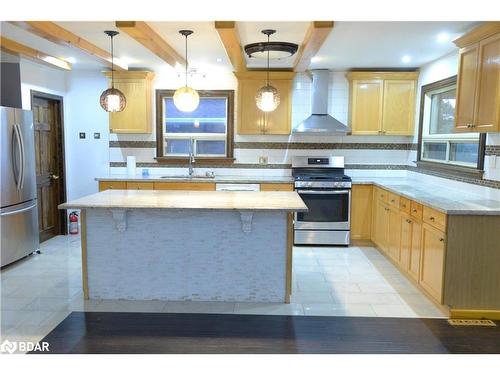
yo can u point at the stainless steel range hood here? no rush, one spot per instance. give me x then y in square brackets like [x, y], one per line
[320, 122]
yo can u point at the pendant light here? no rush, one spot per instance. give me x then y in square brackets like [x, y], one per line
[267, 97]
[186, 99]
[112, 100]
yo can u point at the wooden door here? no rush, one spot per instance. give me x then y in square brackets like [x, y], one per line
[393, 233]
[466, 88]
[432, 266]
[415, 249]
[366, 106]
[47, 115]
[488, 86]
[406, 238]
[361, 212]
[399, 107]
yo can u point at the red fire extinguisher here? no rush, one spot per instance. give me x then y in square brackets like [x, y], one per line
[73, 223]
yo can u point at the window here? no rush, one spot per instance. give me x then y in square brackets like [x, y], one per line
[439, 146]
[208, 129]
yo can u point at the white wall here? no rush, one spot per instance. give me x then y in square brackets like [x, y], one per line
[89, 157]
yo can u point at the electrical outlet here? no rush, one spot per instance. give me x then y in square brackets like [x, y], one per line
[263, 160]
[82, 135]
[97, 135]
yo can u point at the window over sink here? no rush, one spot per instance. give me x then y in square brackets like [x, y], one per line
[439, 147]
[209, 128]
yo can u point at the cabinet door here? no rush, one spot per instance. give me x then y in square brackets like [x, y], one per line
[377, 222]
[361, 211]
[432, 267]
[406, 239]
[466, 88]
[366, 106]
[415, 249]
[279, 120]
[252, 120]
[135, 118]
[393, 234]
[488, 86]
[112, 185]
[399, 107]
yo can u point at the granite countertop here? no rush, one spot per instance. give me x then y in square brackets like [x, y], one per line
[216, 179]
[448, 200]
[211, 200]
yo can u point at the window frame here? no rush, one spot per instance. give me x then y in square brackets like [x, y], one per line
[455, 168]
[184, 159]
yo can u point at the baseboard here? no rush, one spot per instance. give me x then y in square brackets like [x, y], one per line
[474, 314]
[361, 242]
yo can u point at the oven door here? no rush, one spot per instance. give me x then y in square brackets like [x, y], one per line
[328, 209]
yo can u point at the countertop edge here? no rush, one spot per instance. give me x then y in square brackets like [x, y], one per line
[226, 179]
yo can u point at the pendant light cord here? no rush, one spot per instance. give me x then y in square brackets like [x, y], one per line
[186, 54]
[267, 59]
[112, 65]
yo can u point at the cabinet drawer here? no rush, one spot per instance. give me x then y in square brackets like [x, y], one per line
[140, 185]
[381, 194]
[404, 205]
[108, 185]
[276, 187]
[184, 186]
[416, 210]
[435, 218]
[393, 199]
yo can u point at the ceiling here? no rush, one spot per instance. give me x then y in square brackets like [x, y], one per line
[349, 45]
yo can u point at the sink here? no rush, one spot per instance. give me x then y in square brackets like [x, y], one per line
[187, 177]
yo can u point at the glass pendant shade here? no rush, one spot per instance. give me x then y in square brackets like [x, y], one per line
[186, 99]
[267, 98]
[113, 100]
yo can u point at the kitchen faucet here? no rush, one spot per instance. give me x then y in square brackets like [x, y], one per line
[191, 157]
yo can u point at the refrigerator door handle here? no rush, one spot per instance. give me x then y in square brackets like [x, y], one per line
[16, 168]
[6, 212]
[23, 155]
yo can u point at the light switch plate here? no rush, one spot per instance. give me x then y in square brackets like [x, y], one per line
[263, 160]
[97, 135]
[82, 135]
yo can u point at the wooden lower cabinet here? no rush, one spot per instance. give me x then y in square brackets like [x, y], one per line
[393, 234]
[361, 212]
[432, 261]
[139, 186]
[198, 186]
[415, 249]
[405, 242]
[109, 185]
[380, 224]
[276, 187]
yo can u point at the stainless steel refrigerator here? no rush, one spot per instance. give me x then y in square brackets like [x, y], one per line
[18, 203]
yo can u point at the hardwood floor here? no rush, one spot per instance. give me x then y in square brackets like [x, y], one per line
[102, 332]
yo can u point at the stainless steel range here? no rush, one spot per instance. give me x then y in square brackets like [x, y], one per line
[326, 190]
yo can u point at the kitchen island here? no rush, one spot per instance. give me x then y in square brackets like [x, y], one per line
[187, 245]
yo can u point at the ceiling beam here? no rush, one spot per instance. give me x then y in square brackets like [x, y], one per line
[315, 36]
[145, 35]
[231, 41]
[59, 35]
[16, 48]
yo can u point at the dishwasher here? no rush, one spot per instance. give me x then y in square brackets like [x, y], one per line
[237, 187]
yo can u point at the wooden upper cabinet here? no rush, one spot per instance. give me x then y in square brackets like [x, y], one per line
[399, 107]
[467, 76]
[478, 91]
[366, 104]
[251, 120]
[137, 88]
[382, 103]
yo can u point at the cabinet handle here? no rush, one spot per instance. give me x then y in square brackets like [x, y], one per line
[393, 201]
[408, 221]
[432, 218]
[414, 210]
[403, 205]
[441, 240]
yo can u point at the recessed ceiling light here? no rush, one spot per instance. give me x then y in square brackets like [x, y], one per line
[443, 37]
[406, 59]
[315, 59]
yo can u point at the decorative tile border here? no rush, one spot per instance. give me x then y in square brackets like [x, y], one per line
[323, 146]
[492, 150]
[132, 144]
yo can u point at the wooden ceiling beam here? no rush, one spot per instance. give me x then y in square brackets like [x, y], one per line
[59, 35]
[229, 37]
[145, 35]
[316, 34]
[16, 48]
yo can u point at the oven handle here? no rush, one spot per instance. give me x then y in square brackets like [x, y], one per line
[322, 191]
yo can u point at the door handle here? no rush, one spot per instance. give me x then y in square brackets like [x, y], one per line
[17, 169]
[54, 177]
[23, 155]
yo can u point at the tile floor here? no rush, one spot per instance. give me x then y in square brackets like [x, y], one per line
[37, 293]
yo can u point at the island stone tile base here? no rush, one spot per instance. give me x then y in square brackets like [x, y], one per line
[186, 255]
